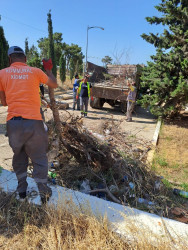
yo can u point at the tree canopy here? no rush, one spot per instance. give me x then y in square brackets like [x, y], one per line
[74, 53]
[106, 60]
[62, 68]
[69, 51]
[43, 44]
[32, 54]
[165, 77]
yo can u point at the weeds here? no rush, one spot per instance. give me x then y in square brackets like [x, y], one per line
[168, 138]
[24, 226]
[167, 183]
[161, 161]
[184, 186]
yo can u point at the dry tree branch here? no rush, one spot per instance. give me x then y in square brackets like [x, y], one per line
[106, 190]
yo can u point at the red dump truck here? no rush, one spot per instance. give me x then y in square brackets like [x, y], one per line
[113, 89]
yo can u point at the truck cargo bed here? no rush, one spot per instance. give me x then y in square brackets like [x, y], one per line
[110, 91]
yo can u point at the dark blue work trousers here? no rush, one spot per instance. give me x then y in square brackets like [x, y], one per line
[28, 139]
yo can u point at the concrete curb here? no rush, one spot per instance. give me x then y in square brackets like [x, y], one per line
[122, 218]
[156, 134]
[154, 142]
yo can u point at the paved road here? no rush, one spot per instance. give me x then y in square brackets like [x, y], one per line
[5, 150]
[143, 125]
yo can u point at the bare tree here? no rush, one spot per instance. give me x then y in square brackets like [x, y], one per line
[118, 55]
[121, 56]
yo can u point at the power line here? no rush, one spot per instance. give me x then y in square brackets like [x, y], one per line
[95, 57]
[13, 20]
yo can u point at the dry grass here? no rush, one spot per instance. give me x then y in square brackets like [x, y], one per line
[26, 227]
[23, 226]
[62, 87]
[68, 84]
[171, 158]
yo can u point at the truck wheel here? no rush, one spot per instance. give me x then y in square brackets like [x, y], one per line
[111, 103]
[124, 106]
[97, 103]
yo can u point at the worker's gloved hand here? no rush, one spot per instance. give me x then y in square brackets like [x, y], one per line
[47, 64]
[92, 98]
[77, 97]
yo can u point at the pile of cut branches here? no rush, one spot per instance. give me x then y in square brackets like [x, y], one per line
[101, 161]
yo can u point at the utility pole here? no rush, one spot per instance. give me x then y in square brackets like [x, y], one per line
[88, 28]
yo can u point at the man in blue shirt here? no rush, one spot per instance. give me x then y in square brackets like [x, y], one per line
[75, 87]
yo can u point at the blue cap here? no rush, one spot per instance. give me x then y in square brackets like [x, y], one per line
[15, 49]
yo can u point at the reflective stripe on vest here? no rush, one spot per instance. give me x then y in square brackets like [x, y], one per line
[88, 88]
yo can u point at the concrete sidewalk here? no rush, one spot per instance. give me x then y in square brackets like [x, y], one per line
[6, 153]
[143, 125]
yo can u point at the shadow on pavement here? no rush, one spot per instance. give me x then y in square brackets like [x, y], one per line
[101, 118]
[139, 113]
[106, 111]
[2, 129]
[143, 113]
[148, 122]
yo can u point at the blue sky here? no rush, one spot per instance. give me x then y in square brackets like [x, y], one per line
[123, 22]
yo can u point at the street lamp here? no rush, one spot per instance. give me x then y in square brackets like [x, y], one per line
[88, 28]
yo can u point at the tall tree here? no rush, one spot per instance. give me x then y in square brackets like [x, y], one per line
[62, 68]
[51, 52]
[106, 60]
[60, 48]
[26, 47]
[33, 58]
[75, 52]
[3, 50]
[43, 44]
[165, 76]
[72, 68]
[58, 45]
[54, 108]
